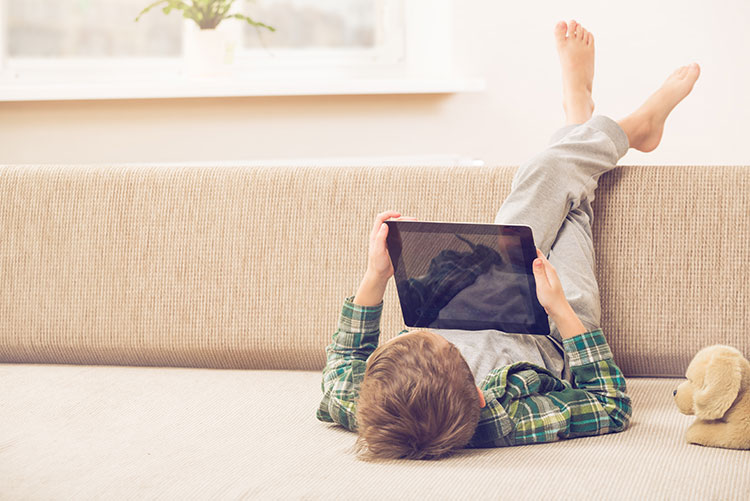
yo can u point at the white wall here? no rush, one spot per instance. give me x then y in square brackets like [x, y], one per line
[638, 43]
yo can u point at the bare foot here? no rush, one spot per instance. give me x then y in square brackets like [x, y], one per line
[645, 125]
[576, 52]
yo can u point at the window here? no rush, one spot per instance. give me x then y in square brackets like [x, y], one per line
[72, 42]
[308, 32]
[62, 29]
[324, 32]
[346, 37]
[308, 23]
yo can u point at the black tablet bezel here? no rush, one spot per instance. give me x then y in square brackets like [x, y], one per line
[396, 228]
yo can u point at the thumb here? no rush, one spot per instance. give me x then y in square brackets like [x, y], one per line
[539, 273]
[381, 235]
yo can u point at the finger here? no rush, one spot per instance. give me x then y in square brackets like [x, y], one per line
[539, 272]
[541, 258]
[544, 259]
[386, 215]
[379, 220]
[380, 238]
[405, 218]
[389, 213]
[550, 272]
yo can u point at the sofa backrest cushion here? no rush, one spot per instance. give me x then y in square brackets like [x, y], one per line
[247, 267]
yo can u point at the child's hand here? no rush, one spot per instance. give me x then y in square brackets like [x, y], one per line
[549, 290]
[379, 264]
[551, 296]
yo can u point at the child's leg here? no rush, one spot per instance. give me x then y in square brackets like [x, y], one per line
[553, 192]
[572, 251]
[555, 182]
[573, 257]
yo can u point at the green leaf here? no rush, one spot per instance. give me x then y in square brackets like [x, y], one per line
[250, 21]
[207, 14]
[149, 8]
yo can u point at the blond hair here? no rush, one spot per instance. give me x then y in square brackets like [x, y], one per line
[417, 400]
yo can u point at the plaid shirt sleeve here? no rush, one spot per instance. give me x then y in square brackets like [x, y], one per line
[527, 404]
[346, 357]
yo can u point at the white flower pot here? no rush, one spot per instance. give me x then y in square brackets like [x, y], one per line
[207, 53]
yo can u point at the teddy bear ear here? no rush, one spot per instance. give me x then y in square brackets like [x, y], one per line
[721, 384]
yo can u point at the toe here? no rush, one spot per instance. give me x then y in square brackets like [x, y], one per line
[560, 29]
[590, 40]
[694, 70]
[583, 35]
[572, 28]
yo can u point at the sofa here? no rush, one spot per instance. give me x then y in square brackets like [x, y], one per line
[162, 331]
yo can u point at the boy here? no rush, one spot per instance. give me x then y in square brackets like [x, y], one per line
[426, 393]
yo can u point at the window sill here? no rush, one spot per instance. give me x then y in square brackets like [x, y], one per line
[20, 89]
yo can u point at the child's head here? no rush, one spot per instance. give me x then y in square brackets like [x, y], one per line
[417, 400]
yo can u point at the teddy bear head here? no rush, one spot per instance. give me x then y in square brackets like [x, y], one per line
[713, 382]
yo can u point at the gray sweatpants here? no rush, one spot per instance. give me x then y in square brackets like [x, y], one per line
[552, 193]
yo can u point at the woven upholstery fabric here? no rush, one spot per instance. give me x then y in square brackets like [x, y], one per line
[247, 267]
[81, 432]
[672, 253]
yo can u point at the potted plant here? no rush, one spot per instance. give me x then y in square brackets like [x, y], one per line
[206, 50]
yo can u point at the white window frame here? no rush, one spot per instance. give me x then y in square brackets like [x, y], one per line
[416, 50]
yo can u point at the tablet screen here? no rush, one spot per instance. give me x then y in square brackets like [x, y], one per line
[466, 276]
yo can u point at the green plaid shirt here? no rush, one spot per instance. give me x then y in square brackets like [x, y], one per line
[525, 403]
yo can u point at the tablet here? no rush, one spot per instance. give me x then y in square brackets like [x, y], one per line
[467, 276]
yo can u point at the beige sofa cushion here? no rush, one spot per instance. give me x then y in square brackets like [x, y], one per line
[247, 267]
[85, 432]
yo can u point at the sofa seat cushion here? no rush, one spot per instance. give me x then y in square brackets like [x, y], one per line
[81, 432]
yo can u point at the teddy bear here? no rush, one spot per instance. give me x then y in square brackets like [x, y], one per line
[717, 392]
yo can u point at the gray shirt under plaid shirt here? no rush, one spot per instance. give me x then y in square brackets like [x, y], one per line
[525, 403]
